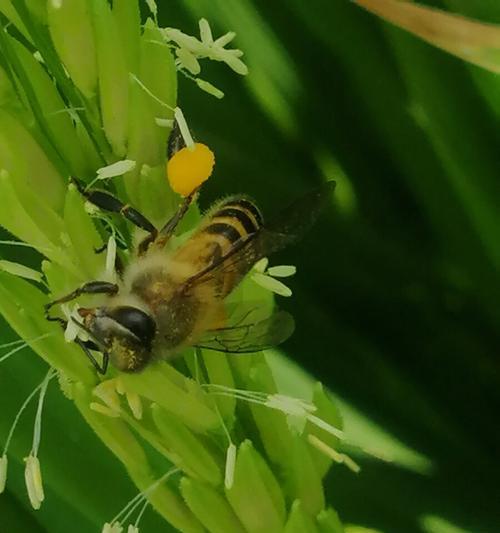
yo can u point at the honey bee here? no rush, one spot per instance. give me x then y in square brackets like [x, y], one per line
[170, 299]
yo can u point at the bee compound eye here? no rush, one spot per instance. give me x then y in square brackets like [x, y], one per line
[136, 321]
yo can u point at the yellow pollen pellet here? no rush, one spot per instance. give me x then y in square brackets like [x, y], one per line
[188, 168]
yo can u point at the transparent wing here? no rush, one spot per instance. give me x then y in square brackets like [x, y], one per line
[289, 226]
[246, 336]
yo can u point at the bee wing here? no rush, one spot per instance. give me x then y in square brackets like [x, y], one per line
[245, 336]
[289, 226]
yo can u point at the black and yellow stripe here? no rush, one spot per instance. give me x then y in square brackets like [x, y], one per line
[229, 224]
[235, 219]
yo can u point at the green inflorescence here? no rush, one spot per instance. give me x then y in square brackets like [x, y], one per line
[78, 107]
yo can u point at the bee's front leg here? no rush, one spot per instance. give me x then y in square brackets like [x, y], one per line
[91, 287]
[86, 346]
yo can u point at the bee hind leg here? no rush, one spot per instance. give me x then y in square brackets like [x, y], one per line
[168, 229]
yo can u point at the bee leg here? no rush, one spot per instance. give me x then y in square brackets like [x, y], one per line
[91, 287]
[168, 229]
[86, 346]
[106, 201]
[175, 141]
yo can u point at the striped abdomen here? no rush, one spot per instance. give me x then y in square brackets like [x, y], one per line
[224, 228]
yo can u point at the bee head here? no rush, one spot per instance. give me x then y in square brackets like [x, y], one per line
[126, 333]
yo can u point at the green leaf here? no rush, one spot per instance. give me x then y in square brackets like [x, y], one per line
[20, 270]
[472, 41]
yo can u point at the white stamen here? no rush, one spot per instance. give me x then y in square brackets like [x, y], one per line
[286, 404]
[271, 284]
[261, 265]
[106, 391]
[3, 472]
[73, 330]
[290, 406]
[116, 169]
[111, 259]
[135, 404]
[282, 271]
[188, 60]
[135, 527]
[230, 464]
[38, 418]
[21, 410]
[183, 127]
[164, 122]
[225, 39]
[146, 90]
[33, 479]
[134, 503]
[103, 410]
[333, 454]
[209, 88]
[205, 32]
[153, 8]
[326, 426]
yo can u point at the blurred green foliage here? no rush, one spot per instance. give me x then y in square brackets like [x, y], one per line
[397, 291]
